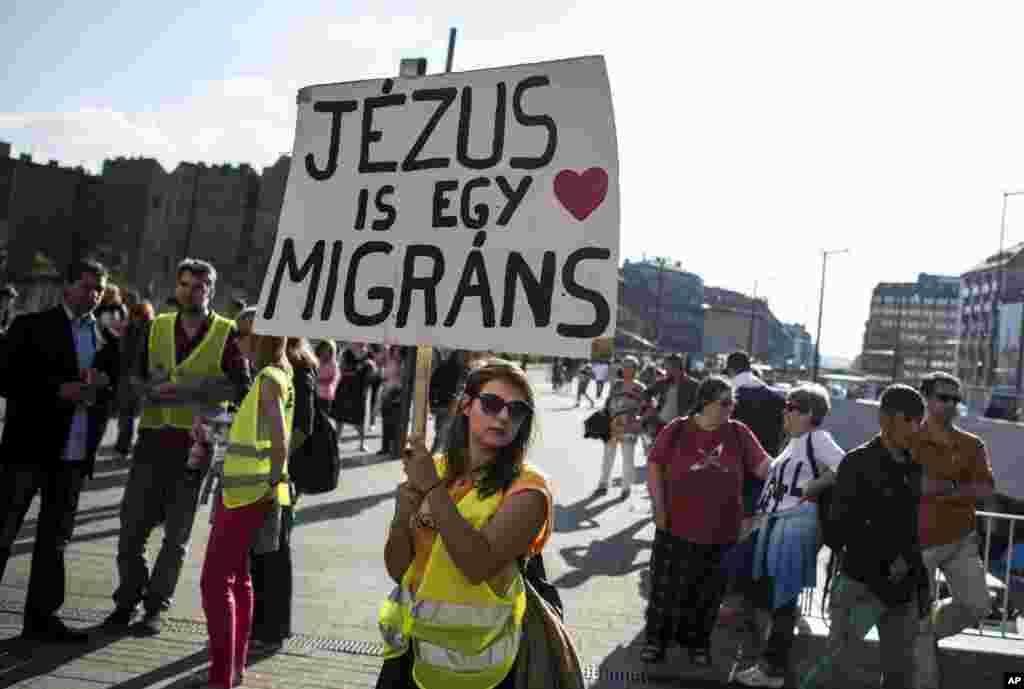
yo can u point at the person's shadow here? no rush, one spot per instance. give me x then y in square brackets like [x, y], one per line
[339, 510]
[613, 556]
[21, 660]
[582, 514]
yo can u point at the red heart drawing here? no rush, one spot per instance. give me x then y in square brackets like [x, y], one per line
[581, 194]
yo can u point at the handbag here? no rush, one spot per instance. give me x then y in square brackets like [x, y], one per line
[598, 425]
[547, 656]
[534, 572]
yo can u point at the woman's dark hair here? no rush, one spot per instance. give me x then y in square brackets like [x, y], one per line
[499, 475]
[299, 353]
[710, 390]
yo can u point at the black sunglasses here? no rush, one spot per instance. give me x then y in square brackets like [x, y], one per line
[955, 399]
[518, 411]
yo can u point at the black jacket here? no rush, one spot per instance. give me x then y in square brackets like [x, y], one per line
[874, 515]
[38, 358]
[761, 408]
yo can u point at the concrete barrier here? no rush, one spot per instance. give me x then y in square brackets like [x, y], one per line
[854, 422]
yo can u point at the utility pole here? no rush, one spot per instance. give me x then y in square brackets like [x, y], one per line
[821, 310]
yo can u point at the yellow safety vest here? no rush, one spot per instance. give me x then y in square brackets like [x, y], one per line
[462, 635]
[203, 362]
[247, 460]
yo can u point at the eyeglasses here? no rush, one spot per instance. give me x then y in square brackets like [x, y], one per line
[955, 399]
[518, 410]
[793, 406]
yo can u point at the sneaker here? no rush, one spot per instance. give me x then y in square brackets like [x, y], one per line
[119, 620]
[152, 624]
[757, 676]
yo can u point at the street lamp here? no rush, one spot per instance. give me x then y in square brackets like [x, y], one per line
[821, 308]
[998, 299]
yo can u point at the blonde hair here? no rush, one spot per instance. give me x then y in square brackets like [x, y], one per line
[269, 350]
[111, 295]
[327, 345]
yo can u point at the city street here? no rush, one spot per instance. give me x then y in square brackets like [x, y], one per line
[597, 556]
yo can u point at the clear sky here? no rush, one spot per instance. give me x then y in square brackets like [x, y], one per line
[751, 134]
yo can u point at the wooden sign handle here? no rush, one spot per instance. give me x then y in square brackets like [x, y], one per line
[424, 364]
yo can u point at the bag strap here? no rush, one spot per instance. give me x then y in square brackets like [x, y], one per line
[810, 455]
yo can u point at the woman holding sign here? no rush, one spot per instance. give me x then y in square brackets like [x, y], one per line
[463, 521]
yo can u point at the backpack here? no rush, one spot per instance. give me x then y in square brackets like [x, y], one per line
[315, 466]
[824, 501]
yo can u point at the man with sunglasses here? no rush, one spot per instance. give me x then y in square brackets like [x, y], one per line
[957, 474]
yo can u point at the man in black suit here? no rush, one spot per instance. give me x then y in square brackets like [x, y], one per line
[58, 371]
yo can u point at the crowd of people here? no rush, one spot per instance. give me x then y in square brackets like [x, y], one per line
[746, 484]
[101, 353]
[747, 487]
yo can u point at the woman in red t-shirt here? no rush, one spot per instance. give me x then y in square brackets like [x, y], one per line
[695, 476]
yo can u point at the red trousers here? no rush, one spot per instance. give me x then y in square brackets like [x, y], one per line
[226, 586]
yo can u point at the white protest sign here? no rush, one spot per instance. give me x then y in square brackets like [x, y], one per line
[477, 210]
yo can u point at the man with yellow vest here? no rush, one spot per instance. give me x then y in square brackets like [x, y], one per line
[192, 363]
[463, 520]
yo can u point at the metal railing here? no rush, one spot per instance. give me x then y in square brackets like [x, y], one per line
[1007, 581]
[1005, 627]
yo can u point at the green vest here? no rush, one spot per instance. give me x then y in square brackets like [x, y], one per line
[203, 362]
[247, 460]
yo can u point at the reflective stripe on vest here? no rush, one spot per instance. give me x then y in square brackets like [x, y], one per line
[247, 462]
[506, 646]
[203, 362]
[248, 451]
